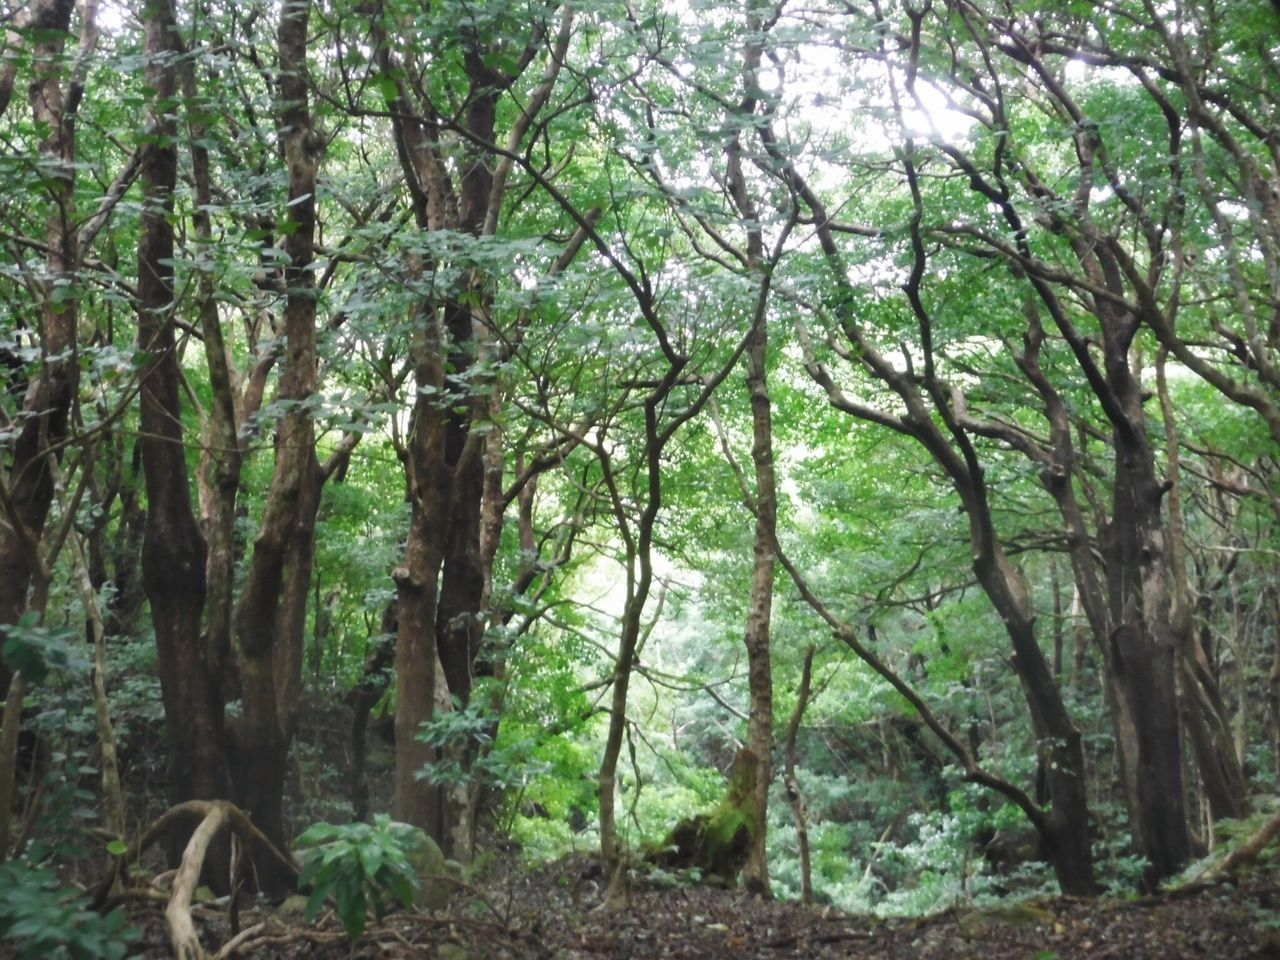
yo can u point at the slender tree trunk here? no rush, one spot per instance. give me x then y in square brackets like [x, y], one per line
[1204, 713]
[794, 797]
[765, 499]
[224, 446]
[10, 722]
[372, 687]
[417, 584]
[1059, 629]
[639, 567]
[112, 796]
[1273, 696]
[639, 578]
[759, 672]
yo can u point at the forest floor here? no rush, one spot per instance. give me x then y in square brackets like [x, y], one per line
[555, 913]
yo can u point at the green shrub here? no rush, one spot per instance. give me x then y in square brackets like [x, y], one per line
[362, 866]
[47, 921]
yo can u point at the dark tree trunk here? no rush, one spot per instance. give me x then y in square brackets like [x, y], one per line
[1204, 715]
[173, 548]
[1143, 658]
[440, 584]
[271, 618]
[419, 680]
[1141, 650]
[362, 698]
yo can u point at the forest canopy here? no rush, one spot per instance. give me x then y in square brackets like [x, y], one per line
[829, 443]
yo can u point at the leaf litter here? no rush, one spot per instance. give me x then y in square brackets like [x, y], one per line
[558, 912]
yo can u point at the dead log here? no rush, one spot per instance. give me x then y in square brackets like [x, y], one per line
[1246, 853]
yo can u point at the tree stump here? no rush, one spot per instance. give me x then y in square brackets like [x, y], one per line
[717, 843]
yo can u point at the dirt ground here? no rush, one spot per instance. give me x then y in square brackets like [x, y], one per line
[556, 913]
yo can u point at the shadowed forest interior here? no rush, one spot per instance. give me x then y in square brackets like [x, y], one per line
[818, 454]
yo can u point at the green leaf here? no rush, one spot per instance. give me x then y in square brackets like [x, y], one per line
[315, 903]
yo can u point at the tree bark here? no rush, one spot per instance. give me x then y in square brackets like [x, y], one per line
[270, 619]
[1204, 714]
[1142, 647]
[765, 499]
[173, 548]
[361, 699]
[441, 581]
[759, 667]
[10, 723]
[794, 797]
[934, 416]
[46, 405]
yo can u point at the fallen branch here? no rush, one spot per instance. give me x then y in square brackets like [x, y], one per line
[1246, 853]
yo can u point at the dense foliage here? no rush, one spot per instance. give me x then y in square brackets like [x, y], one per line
[501, 416]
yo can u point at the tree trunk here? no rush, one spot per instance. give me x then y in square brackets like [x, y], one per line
[765, 499]
[271, 620]
[759, 672]
[1068, 844]
[417, 583]
[173, 548]
[440, 581]
[1142, 647]
[10, 723]
[934, 415]
[794, 797]
[47, 402]
[361, 699]
[1204, 713]
[1273, 698]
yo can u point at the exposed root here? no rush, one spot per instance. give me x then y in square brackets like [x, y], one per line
[215, 815]
[233, 817]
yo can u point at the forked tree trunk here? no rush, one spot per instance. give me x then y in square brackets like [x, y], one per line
[441, 580]
[173, 548]
[271, 619]
[934, 416]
